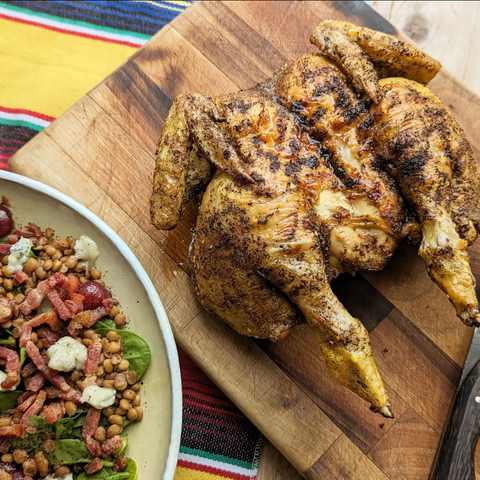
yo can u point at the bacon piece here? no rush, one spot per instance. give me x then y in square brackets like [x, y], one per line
[5, 444]
[21, 277]
[28, 369]
[49, 317]
[8, 467]
[74, 328]
[91, 422]
[12, 431]
[72, 307]
[24, 396]
[18, 475]
[60, 307]
[35, 383]
[36, 406]
[12, 368]
[6, 309]
[93, 467]
[72, 395]
[34, 298]
[54, 412]
[88, 381]
[5, 248]
[93, 357]
[12, 239]
[31, 231]
[119, 464]
[60, 283]
[52, 375]
[26, 334]
[94, 447]
[78, 300]
[88, 318]
[24, 406]
[48, 336]
[111, 445]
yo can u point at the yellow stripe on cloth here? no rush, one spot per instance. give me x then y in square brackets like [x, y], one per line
[48, 71]
[182, 473]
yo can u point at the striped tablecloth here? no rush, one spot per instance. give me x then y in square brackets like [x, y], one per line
[51, 54]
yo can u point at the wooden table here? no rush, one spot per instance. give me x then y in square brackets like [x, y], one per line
[447, 31]
[101, 152]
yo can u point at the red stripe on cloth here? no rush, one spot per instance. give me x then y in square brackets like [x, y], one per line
[47, 118]
[5, 148]
[212, 470]
[4, 157]
[12, 140]
[4, 166]
[68, 32]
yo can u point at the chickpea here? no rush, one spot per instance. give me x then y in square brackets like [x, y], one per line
[18, 322]
[139, 411]
[50, 250]
[19, 298]
[29, 467]
[61, 471]
[135, 387]
[101, 434]
[120, 382]
[114, 311]
[71, 261]
[7, 458]
[71, 408]
[63, 269]
[108, 365]
[99, 382]
[62, 245]
[30, 265]
[34, 337]
[124, 404]
[19, 455]
[120, 411]
[89, 333]
[83, 280]
[80, 267]
[4, 422]
[56, 256]
[2, 291]
[87, 342]
[114, 347]
[100, 372]
[115, 420]
[42, 464]
[112, 336]
[8, 271]
[114, 430]
[129, 394]
[132, 414]
[56, 265]
[49, 445]
[107, 383]
[40, 273]
[110, 376]
[136, 401]
[40, 344]
[108, 412]
[76, 375]
[7, 284]
[5, 475]
[116, 359]
[120, 320]
[102, 359]
[95, 274]
[123, 365]
[47, 264]
[8, 323]
[49, 232]
[105, 344]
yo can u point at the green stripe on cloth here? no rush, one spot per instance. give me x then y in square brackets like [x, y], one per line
[21, 123]
[217, 458]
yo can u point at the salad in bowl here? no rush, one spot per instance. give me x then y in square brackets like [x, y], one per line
[70, 374]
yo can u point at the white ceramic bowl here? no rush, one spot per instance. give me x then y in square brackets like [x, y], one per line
[154, 442]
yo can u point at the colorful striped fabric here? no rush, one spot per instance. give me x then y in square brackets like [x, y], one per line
[52, 53]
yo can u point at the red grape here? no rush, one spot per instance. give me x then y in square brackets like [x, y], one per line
[94, 294]
[6, 221]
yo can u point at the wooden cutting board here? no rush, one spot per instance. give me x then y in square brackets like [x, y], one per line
[101, 152]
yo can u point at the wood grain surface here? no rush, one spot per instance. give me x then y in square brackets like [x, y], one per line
[101, 152]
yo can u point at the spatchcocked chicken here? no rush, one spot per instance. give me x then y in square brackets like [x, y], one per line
[303, 175]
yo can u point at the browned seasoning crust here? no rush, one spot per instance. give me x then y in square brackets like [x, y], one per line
[307, 182]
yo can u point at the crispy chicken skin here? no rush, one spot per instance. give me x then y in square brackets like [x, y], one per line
[364, 54]
[307, 174]
[256, 223]
[367, 222]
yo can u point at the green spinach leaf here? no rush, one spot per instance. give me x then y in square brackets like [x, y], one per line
[135, 348]
[122, 447]
[131, 468]
[8, 400]
[106, 473]
[69, 451]
[33, 443]
[69, 427]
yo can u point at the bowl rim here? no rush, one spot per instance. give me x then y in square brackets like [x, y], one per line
[172, 352]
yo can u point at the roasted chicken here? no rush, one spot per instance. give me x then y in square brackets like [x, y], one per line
[301, 176]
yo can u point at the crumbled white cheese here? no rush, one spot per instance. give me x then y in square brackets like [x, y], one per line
[68, 476]
[86, 249]
[3, 376]
[67, 354]
[99, 397]
[19, 253]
